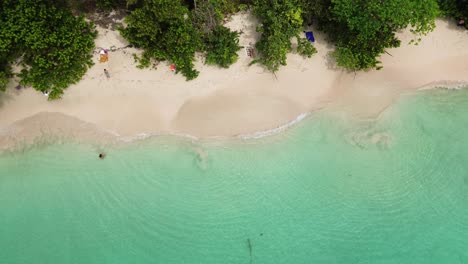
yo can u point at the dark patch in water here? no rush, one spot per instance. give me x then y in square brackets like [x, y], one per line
[249, 243]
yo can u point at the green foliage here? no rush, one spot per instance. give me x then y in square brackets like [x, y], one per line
[242, 7]
[225, 7]
[208, 14]
[144, 61]
[305, 48]
[222, 46]
[4, 79]
[167, 30]
[53, 46]
[110, 4]
[354, 60]
[236, 5]
[363, 29]
[5, 71]
[164, 29]
[90, 6]
[448, 7]
[457, 9]
[281, 20]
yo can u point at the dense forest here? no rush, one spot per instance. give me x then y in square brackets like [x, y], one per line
[52, 41]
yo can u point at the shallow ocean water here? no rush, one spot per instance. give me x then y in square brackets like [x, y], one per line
[332, 189]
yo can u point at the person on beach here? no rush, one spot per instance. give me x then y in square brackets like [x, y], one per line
[102, 155]
[107, 73]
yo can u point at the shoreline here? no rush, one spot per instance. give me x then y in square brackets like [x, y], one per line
[49, 131]
[240, 102]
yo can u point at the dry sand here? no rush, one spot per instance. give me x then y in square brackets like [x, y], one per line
[226, 102]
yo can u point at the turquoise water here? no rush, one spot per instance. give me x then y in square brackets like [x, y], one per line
[330, 190]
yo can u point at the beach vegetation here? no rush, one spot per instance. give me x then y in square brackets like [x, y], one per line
[226, 7]
[219, 42]
[222, 46]
[305, 48]
[455, 9]
[110, 4]
[175, 30]
[281, 20]
[52, 46]
[208, 14]
[4, 79]
[164, 29]
[363, 29]
[91, 6]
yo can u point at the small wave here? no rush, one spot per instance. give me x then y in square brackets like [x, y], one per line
[145, 135]
[255, 135]
[274, 131]
[30, 129]
[14, 136]
[456, 85]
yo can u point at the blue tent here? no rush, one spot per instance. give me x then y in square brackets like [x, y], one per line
[310, 36]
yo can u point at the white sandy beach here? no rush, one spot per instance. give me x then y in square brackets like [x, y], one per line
[239, 100]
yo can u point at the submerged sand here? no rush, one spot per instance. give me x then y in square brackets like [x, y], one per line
[227, 102]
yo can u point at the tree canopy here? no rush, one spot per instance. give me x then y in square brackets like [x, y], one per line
[363, 29]
[164, 29]
[219, 42]
[221, 46]
[457, 9]
[281, 20]
[52, 46]
[170, 30]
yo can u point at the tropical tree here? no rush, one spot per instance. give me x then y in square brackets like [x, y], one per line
[457, 9]
[5, 75]
[110, 4]
[208, 14]
[164, 29]
[92, 5]
[364, 29]
[281, 20]
[170, 30]
[222, 45]
[51, 44]
[219, 42]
